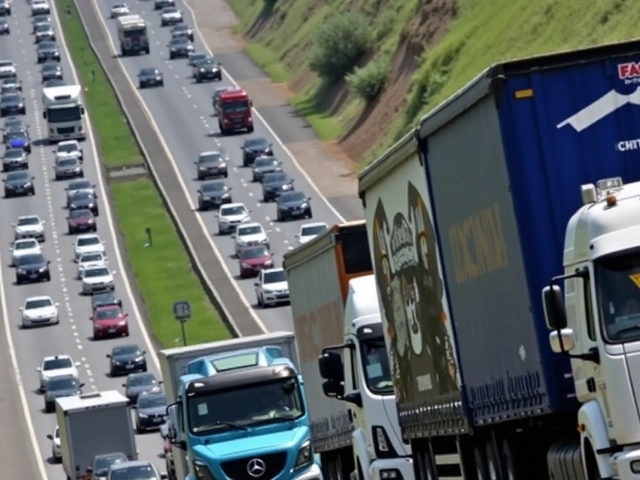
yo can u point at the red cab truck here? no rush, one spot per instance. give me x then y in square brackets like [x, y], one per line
[235, 112]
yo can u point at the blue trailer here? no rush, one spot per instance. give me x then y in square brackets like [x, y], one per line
[502, 162]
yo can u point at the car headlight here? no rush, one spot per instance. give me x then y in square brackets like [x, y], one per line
[223, 165]
[304, 205]
[226, 195]
[142, 415]
[201, 470]
[139, 359]
[268, 262]
[305, 455]
[21, 271]
[43, 269]
[264, 240]
[246, 265]
[122, 323]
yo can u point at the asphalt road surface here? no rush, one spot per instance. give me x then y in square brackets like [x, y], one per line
[73, 335]
[183, 114]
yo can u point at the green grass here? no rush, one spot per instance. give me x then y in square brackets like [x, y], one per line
[163, 272]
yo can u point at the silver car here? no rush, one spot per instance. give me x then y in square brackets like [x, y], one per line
[249, 235]
[68, 167]
[14, 159]
[230, 216]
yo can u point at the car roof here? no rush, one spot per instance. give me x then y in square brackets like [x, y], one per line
[250, 224]
[26, 240]
[230, 205]
[126, 345]
[28, 216]
[56, 357]
[133, 463]
[210, 152]
[270, 270]
[102, 308]
[313, 224]
[69, 142]
[87, 235]
[38, 297]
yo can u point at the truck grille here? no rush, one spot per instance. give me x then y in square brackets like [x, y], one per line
[66, 130]
[238, 469]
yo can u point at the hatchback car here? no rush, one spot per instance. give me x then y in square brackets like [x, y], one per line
[182, 30]
[32, 268]
[273, 184]
[125, 359]
[29, 226]
[69, 148]
[83, 201]
[150, 77]
[110, 321]
[104, 299]
[56, 366]
[211, 164]
[292, 205]
[38, 311]
[150, 411]
[12, 103]
[272, 287]
[253, 148]
[22, 247]
[309, 231]
[170, 16]
[18, 184]
[249, 235]
[87, 243]
[230, 216]
[213, 194]
[51, 71]
[81, 221]
[138, 470]
[262, 165]
[139, 384]
[11, 83]
[68, 167]
[97, 279]
[14, 159]
[58, 387]
[18, 139]
[254, 259]
[91, 260]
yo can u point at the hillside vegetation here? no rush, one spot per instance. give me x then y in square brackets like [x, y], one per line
[406, 56]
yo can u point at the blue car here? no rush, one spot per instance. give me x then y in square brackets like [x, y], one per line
[18, 139]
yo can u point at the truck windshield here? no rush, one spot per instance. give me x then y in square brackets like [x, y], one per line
[135, 32]
[249, 405]
[235, 106]
[618, 280]
[376, 366]
[64, 114]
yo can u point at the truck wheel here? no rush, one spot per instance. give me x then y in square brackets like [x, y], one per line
[481, 465]
[510, 461]
[426, 464]
[493, 464]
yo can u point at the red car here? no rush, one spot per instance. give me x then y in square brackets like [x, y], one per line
[110, 321]
[254, 259]
[81, 221]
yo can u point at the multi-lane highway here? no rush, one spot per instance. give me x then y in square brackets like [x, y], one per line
[183, 114]
[73, 335]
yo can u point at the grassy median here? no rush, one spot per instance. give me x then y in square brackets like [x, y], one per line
[163, 271]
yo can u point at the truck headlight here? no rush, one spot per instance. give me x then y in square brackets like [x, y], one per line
[305, 455]
[635, 466]
[201, 470]
[390, 474]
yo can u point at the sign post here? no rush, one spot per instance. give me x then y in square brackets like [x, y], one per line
[182, 313]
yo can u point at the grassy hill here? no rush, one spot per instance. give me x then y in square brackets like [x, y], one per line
[427, 50]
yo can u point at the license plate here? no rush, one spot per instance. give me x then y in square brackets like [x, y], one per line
[157, 420]
[130, 367]
[33, 275]
[112, 330]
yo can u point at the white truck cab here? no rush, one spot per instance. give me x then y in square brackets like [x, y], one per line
[64, 112]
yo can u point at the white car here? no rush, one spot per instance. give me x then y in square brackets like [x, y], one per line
[88, 243]
[170, 16]
[56, 366]
[29, 226]
[56, 452]
[249, 235]
[28, 246]
[97, 279]
[309, 231]
[272, 287]
[39, 311]
[7, 69]
[91, 260]
[40, 7]
[119, 9]
[69, 148]
[68, 167]
[230, 216]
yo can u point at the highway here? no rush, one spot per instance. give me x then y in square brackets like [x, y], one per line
[183, 114]
[73, 335]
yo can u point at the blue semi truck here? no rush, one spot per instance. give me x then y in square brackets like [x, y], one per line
[522, 176]
[239, 410]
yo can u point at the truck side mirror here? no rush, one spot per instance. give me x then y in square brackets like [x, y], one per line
[50, 437]
[554, 311]
[44, 115]
[330, 366]
[562, 341]
[175, 434]
[333, 389]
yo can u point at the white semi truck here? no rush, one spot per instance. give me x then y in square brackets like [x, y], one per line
[336, 316]
[64, 113]
[92, 424]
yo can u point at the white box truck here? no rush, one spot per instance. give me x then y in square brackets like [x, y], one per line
[336, 315]
[92, 424]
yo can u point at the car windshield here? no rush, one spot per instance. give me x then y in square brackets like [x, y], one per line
[10, 81]
[102, 463]
[214, 187]
[48, 67]
[152, 401]
[249, 253]
[54, 83]
[38, 303]
[25, 245]
[142, 379]
[293, 197]
[88, 241]
[169, 10]
[16, 134]
[81, 214]
[13, 123]
[180, 27]
[126, 350]
[10, 98]
[276, 178]
[35, 259]
[199, 56]
[209, 157]
[67, 162]
[179, 41]
[104, 298]
[64, 383]
[17, 176]
[22, 221]
[6, 63]
[253, 230]
[97, 272]
[43, 27]
[254, 404]
[91, 257]
[137, 472]
[68, 148]
[81, 197]
[13, 153]
[376, 366]
[57, 363]
[233, 211]
[46, 46]
[108, 313]
[313, 230]
[80, 185]
[149, 71]
[265, 162]
[119, 5]
[275, 276]
[256, 143]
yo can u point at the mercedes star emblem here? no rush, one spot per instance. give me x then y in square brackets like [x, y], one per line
[256, 467]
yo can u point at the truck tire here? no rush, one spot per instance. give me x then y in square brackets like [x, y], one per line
[493, 462]
[426, 465]
[480, 464]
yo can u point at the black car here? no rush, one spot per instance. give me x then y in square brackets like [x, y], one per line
[125, 359]
[32, 268]
[12, 103]
[179, 47]
[51, 71]
[18, 184]
[150, 77]
[273, 184]
[211, 164]
[197, 57]
[39, 20]
[58, 387]
[11, 84]
[213, 194]
[253, 148]
[14, 159]
[84, 201]
[160, 4]
[208, 70]
[5, 29]
[264, 165]
[150, 411]
[18, 139]
[5, 8]
[182, 30]
[104, 299]
[293, 205]
[55, 82]
[139, 383]
[48, 51]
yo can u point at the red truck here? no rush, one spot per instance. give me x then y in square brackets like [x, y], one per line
[235, 112]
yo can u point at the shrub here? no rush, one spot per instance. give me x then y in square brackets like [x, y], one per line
[367, 82]
[339, 43]
[385, 24]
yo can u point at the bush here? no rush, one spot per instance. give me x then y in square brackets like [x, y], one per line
[339, 43]
[367, 82]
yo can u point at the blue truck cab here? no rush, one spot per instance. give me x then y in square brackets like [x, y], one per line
[243, 414]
